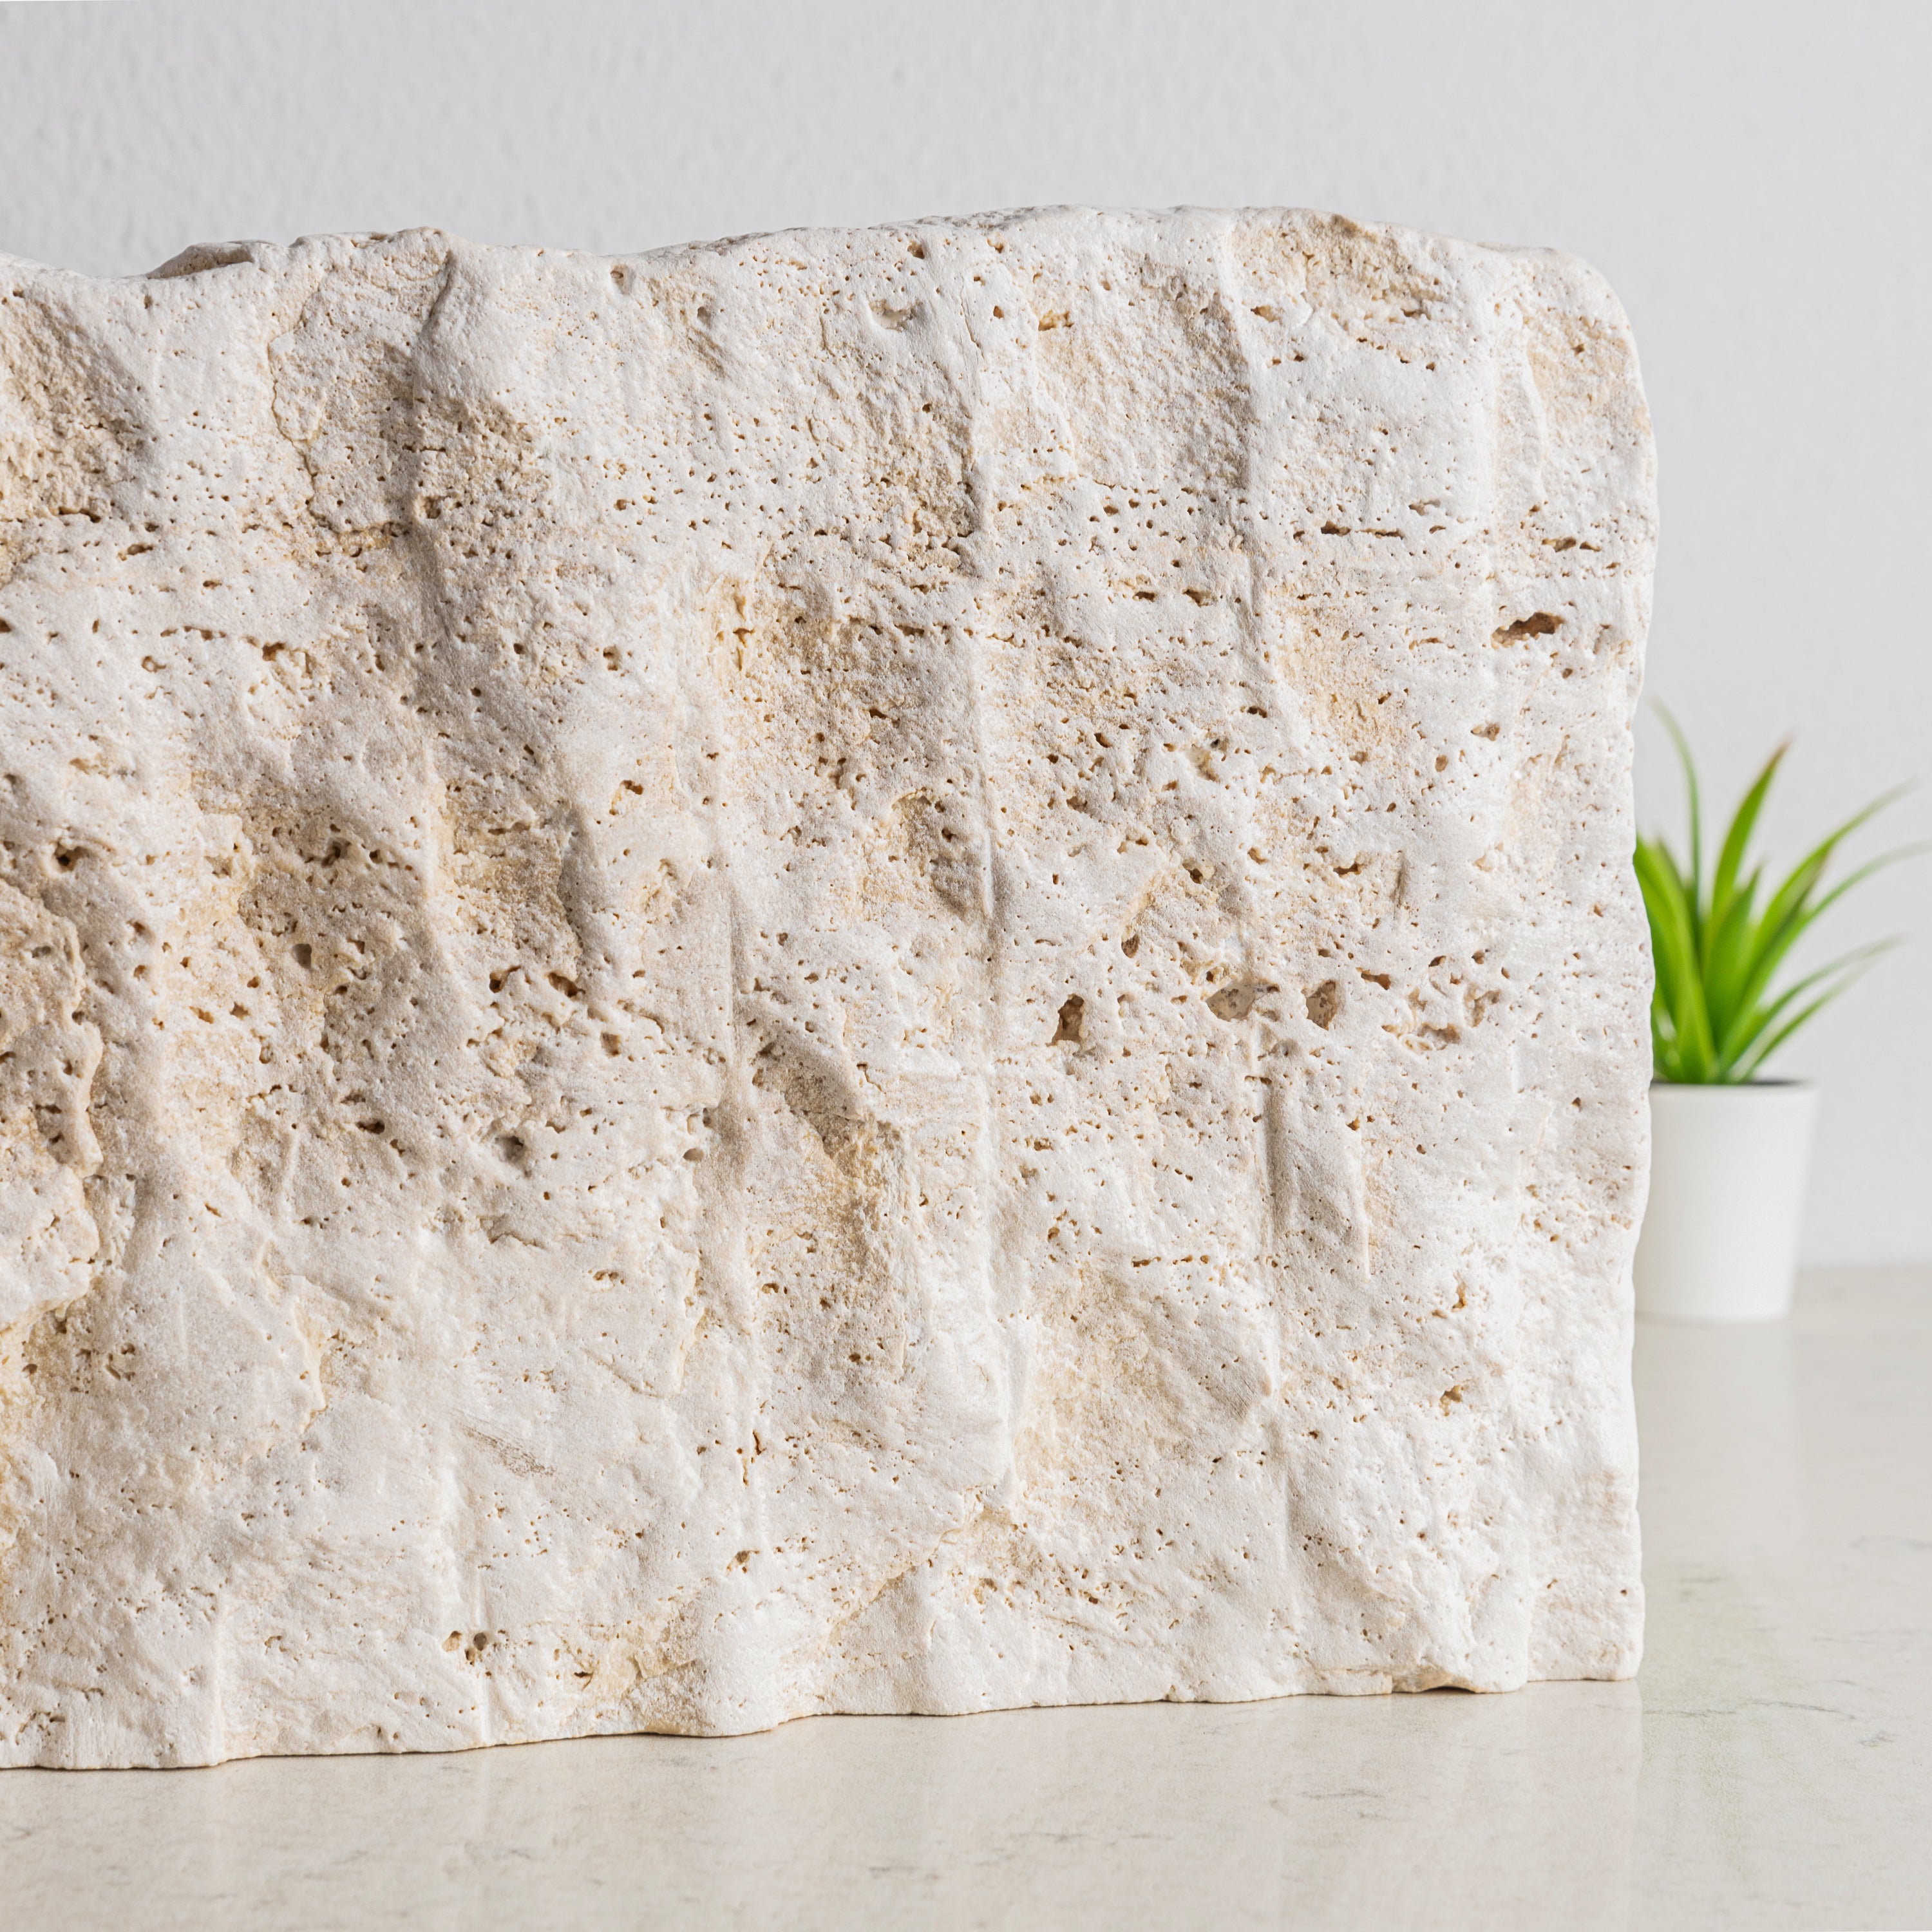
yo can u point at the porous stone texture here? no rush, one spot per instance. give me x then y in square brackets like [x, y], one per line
[862, 971]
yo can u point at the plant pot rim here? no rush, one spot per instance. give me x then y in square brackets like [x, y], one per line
[1732, 1086]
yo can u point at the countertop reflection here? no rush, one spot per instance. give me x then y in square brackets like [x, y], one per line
[1769, 1768]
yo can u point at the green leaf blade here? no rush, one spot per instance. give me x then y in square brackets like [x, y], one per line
[1714, 1017]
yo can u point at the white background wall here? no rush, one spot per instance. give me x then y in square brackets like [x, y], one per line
[1755, 180]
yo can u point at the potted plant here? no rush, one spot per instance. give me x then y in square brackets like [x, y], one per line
[1729, 1147]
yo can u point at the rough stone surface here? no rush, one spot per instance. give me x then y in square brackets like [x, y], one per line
[858, 971]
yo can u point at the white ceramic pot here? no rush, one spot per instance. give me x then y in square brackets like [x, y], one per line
[1727, 1166]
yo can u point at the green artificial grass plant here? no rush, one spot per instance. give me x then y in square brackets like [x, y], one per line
[1715, 1019]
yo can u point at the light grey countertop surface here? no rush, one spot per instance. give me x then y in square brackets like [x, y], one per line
[1771, 1767]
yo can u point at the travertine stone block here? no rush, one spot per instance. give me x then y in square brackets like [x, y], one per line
[858, 971]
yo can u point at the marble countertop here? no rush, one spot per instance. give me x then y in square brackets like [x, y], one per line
[1771, 1767]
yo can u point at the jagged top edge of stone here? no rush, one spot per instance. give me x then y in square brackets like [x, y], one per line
[273, 257]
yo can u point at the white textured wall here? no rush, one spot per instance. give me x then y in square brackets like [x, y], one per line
[1756, 181]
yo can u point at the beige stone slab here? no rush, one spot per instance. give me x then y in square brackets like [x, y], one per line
[867, 970]
[1762, 1770]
